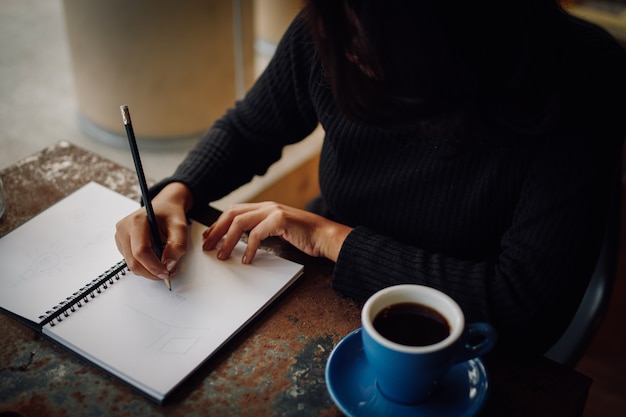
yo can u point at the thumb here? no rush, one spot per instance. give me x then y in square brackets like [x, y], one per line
[175, 247]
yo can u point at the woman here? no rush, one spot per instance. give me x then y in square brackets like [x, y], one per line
[468, 147]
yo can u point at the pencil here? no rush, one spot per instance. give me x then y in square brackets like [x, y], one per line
[154, 229]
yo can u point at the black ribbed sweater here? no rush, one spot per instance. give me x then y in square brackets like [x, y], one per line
[510, 229]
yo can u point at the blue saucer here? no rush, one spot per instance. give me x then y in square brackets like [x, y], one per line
[352, 386]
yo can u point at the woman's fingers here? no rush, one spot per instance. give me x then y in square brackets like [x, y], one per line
[232, 224]
[263, 220]
[133, 241]
[176, 245]
[133, 238]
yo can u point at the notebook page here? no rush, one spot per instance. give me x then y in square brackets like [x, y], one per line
[153, 338]
[60, 250]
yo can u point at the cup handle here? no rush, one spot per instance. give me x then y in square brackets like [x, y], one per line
[479, 339]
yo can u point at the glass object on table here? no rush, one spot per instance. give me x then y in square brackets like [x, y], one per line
[3, 201]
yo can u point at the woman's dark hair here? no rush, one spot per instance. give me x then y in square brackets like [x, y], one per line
[399, 62]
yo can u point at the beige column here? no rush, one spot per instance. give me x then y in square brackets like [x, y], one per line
[271, 19]
[173, 63]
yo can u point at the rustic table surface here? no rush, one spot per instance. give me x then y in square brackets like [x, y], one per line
[274, 367]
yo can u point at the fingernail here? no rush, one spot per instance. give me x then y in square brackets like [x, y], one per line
[207, 231]
[163, 276]
[170, 265]
[244, 259]
[220, 254]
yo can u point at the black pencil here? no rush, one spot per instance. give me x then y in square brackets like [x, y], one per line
[154, 228]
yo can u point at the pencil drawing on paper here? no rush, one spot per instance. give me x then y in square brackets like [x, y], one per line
[166, 338]
[180, 345]
[44, 263]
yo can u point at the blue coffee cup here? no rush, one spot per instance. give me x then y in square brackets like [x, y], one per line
[409, 373]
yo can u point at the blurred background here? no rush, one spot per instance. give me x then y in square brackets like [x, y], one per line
[67, 65]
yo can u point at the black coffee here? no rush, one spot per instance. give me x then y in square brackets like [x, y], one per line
[412, 324]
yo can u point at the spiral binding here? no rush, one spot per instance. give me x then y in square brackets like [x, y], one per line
[84, 295]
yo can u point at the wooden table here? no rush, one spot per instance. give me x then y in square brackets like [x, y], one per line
[274, 367]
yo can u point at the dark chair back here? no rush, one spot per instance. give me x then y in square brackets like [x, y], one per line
[573, 343]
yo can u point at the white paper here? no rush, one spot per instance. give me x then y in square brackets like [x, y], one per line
[60, 250]
[136, 329]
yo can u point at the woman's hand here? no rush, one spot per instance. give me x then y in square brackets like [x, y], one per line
[133, 237]
[312, 234]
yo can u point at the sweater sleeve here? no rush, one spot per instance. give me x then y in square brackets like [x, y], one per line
[277, 111]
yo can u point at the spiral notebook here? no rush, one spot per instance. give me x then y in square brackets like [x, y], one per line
[62, 274]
